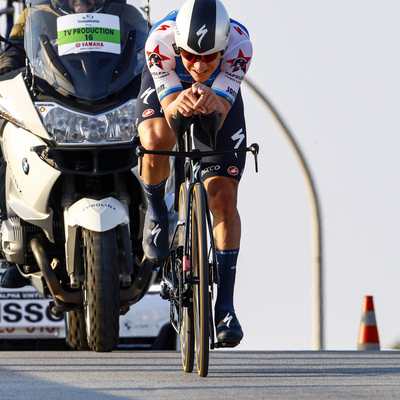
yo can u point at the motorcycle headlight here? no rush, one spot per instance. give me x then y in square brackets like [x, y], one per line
[67, 126]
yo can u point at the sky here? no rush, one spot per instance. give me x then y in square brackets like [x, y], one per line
[331, 70]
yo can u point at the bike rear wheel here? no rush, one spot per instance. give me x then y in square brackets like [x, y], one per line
[201, 298]
[187, 328]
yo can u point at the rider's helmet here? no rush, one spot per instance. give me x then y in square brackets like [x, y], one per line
[64, 7]
[202, 27]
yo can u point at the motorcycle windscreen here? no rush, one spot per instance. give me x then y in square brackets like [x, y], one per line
[88, 55]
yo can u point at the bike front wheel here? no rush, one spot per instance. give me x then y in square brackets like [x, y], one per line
[201, 298]
[187, 328]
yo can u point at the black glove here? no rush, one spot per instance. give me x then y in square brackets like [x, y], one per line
[5, 70]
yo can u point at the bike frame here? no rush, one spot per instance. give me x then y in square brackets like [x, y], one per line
[192, 178]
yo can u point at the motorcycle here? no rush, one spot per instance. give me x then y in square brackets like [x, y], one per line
[73, 205]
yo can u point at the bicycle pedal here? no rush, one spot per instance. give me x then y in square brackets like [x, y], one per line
[164, 293]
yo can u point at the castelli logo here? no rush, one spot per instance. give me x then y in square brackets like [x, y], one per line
[233, 171]
[147, 113]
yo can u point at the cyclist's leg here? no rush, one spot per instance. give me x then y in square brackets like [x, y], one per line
[155, 134]
[222, 175]
[222, 194]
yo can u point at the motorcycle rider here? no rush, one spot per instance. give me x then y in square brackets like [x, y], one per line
[196, 61]
[14, 58]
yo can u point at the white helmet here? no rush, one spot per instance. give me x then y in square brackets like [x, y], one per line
[202, 27]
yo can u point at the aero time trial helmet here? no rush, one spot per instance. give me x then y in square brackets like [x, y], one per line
[202, 27]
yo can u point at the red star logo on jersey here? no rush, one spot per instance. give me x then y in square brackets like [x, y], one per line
[240, 62]
[155, 58]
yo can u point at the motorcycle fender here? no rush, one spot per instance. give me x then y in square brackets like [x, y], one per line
[97, 215]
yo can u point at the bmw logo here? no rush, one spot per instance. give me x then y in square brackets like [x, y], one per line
[25, 166]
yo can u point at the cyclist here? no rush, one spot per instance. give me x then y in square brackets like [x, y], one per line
[196, 60]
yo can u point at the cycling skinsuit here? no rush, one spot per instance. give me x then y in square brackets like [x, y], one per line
[165, 74]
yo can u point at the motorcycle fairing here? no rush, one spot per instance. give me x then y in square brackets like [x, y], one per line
[89, 75]
[27, 193]
[15, 92]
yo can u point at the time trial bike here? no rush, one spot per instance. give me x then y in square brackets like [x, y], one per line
[191, 271]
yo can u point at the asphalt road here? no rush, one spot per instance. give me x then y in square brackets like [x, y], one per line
[124, 374]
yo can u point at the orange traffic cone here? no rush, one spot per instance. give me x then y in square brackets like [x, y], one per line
[368, 338]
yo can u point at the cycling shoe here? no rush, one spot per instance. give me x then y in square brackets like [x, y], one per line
[155, 239]
[229, 331]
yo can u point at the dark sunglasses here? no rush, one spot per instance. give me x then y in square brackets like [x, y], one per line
[207, 58]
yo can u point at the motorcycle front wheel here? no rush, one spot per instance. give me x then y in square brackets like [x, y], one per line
[101, 290]
[76, 331]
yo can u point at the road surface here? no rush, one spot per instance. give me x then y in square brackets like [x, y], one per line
[126, 374]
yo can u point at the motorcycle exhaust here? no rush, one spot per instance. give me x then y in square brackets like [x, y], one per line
[130, 295]
[50, 277]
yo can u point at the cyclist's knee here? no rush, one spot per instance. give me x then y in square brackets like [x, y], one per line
[222, 196]
[155, 134]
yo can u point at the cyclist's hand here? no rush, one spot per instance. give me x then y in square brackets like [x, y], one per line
[185, 103]
[207, 99]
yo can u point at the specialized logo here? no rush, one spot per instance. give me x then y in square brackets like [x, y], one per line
[233, 171]
[147, 113]
[240, 62]
[227, 320]
[240, 31]
[162, 28]
[155, 232]
[146, 95]
[239, 136]
[155, 58]
[196, 168]
[201, 32]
